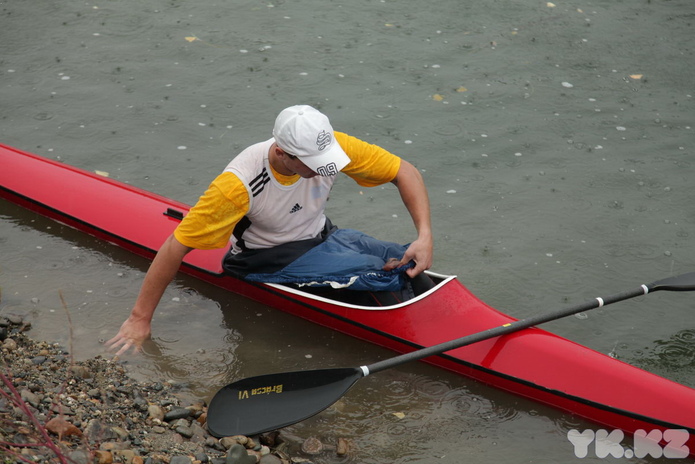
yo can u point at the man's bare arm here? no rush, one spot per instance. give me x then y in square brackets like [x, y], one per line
[137, 328]
[413, 192]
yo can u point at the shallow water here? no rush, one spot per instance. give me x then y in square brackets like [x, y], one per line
[556, 142]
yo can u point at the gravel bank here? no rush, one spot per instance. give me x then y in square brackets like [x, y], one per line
[55, 410]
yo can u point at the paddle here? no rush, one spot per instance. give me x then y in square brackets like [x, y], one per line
[268, 402]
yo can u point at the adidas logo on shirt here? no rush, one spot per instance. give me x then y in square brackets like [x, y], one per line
[295, 208]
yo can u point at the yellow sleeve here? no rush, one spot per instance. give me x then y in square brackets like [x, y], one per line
[370, 165]
[210, 223]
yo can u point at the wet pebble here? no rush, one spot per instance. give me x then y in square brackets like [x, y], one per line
[180, 460]
[184, 431]
[14, 319]
[343, 447]
[80, 457]
[103, 457]
[155, 412]
[9, 345]
[30, 397]
[81, 372]
[176, 413]
[312, 446]
[238, 455]
[270, 459]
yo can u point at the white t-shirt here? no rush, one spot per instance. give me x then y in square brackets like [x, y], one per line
[278, 213]
[281, 208]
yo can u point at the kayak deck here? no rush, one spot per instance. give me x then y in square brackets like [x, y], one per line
[532, 363]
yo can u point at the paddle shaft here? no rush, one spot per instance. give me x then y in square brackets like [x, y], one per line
[508, 328]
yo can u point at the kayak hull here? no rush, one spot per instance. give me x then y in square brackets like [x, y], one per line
[532, 363]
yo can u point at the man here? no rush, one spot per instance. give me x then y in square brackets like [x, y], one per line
[270, 202]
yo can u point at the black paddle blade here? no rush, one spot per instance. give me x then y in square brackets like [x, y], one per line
[681, 283]
[268, 402]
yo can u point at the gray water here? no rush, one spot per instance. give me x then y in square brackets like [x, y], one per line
[556, 141]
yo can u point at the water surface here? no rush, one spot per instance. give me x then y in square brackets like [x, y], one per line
[556, 140]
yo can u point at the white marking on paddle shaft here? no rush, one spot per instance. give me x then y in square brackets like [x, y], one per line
[365, 371]
[601, 302]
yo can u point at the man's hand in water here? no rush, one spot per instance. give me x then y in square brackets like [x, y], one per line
[132, 334]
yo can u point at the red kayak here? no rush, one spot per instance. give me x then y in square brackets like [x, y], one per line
[532, 362]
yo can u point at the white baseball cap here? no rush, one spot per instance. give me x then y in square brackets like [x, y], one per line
[305, 132]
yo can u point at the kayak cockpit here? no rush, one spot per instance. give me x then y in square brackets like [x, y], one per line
[417, 289]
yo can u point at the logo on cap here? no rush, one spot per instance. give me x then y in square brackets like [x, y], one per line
[323, 140]
[328, 170]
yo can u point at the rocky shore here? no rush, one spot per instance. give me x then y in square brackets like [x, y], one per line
[55, 410]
